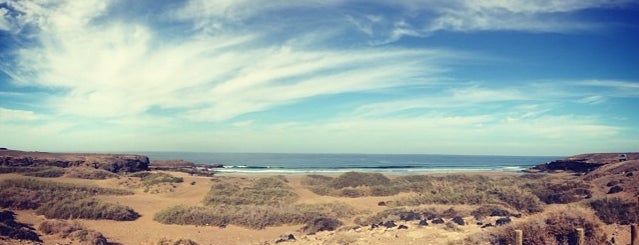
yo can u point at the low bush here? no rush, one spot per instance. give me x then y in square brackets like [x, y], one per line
[88, 208]
[73, 231]
[182, 241]
[62, 200]
[489, 211]
[154, 178]
[89, 173]
[519, 199]
[562, 193]
[10, 228]
[263, 191]
[51, 172]
[252, 216]
[557, 227]
[616, 210]
[355, 179]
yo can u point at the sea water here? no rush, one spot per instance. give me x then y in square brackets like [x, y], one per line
[327, 163]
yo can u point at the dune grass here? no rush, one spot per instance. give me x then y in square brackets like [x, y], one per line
[73, 231]
[10, 228]
[87, 208]
[62, 200]
[42, 172]
[261, 203]
[89, 173]
[447, 189]
[263, 191]
[616, 210]
[555, 227]
[252, 216]
[154, 178]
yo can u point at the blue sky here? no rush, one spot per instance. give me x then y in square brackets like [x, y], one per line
[338, 76]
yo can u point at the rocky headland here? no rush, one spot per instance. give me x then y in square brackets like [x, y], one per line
[116, 163]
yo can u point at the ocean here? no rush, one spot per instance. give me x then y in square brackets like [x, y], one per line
[335, 163]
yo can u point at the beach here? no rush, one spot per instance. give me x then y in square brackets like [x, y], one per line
[358, 226]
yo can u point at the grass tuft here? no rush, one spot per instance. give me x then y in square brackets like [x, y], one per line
[616, 210]
[88, 208]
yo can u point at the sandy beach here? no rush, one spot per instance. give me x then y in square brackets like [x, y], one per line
[191, 191]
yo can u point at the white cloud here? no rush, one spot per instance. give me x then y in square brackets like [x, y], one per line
[12, 115]
[4, 22]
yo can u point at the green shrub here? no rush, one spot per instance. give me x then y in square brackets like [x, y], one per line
[557, 227]
[152, 178]
[616, 210]
[87, 208]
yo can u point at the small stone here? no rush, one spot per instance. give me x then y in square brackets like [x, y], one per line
[402, 227]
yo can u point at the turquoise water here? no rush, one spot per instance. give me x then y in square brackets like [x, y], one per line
[396, 163]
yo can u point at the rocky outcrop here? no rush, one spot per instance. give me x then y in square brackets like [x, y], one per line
[578, 165]
[116, 163]
[584, 163]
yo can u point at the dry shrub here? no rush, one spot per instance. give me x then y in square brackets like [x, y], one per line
[89, 173]
[564, 192]
[61, 200]
[555, 227]
[490, 210]
[12, 229]
[519, 199]
[88, 208]
[181, 241]
[49, 172]
[73, 231]
[154, 178]
[264, 191]
[616, 210]
[252, 216]
[355, 179]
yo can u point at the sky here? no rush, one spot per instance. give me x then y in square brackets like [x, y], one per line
[491, 77]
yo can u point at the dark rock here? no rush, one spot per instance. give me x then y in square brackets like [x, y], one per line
[437, 221]
[459, 220]
[630, 174]
[487, 225]
[516, 215]
[402, 227]
[574, 165]
[389, 224]
[409, 216]
[503, 221]
[373, 226]
[429, 216]
[321, 224]
[499, 212]
[382, 203]
[423, 222]
[615, 189]
[286, 238]
[479, 223]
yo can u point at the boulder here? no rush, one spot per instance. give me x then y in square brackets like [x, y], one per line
[389, 224]
[459, 220]
[286, 238]
[437, 221]
[423, 222]
[615, 189]
[503, 221]
[409, 216]
[402, 227]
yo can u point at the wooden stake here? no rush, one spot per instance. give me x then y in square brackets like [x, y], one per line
[519, 237]
[634, 236]
[580, 236]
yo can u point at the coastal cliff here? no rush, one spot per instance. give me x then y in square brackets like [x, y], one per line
[116, 163]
